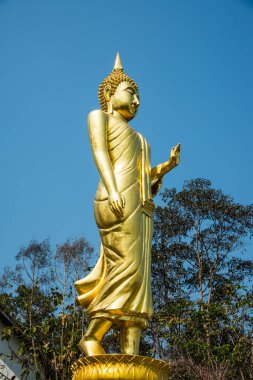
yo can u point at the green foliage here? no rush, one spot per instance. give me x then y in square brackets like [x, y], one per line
[41, 300]
[202, 286]
[202, 291]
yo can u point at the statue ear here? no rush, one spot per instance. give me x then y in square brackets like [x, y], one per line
[107, 93]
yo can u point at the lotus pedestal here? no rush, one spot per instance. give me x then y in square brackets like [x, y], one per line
[120, 367]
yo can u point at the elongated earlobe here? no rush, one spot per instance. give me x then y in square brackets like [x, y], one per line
[109, 107]
[107, 93]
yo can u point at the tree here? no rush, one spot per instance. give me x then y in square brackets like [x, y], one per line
[202, 294]
[201, 282]
[40, 295]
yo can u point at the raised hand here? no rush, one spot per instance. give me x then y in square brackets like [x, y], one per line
[175, 155]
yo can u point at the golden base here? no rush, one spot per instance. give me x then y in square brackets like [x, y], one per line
[120, 367]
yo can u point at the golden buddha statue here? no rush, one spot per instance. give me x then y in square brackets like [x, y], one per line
[117, 293]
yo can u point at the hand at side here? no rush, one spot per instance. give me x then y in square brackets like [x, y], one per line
[117, 203]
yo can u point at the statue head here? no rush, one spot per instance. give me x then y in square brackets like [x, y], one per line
[119, 92]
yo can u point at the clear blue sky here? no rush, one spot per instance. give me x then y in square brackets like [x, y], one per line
[193, 62]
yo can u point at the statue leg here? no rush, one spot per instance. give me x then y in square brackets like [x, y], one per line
[130, 340]
[90, 344]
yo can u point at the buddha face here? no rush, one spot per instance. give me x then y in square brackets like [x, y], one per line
[125, 100]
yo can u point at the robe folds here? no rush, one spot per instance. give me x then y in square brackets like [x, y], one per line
[119, 286]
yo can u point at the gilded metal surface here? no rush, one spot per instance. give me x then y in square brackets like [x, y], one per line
[120, 367]
[117, 293]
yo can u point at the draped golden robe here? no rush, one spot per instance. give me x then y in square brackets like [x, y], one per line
[119, 288]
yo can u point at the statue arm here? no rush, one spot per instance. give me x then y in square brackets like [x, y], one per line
[160, 170]
[97, 125]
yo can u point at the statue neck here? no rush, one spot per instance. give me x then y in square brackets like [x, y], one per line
[116, 114]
